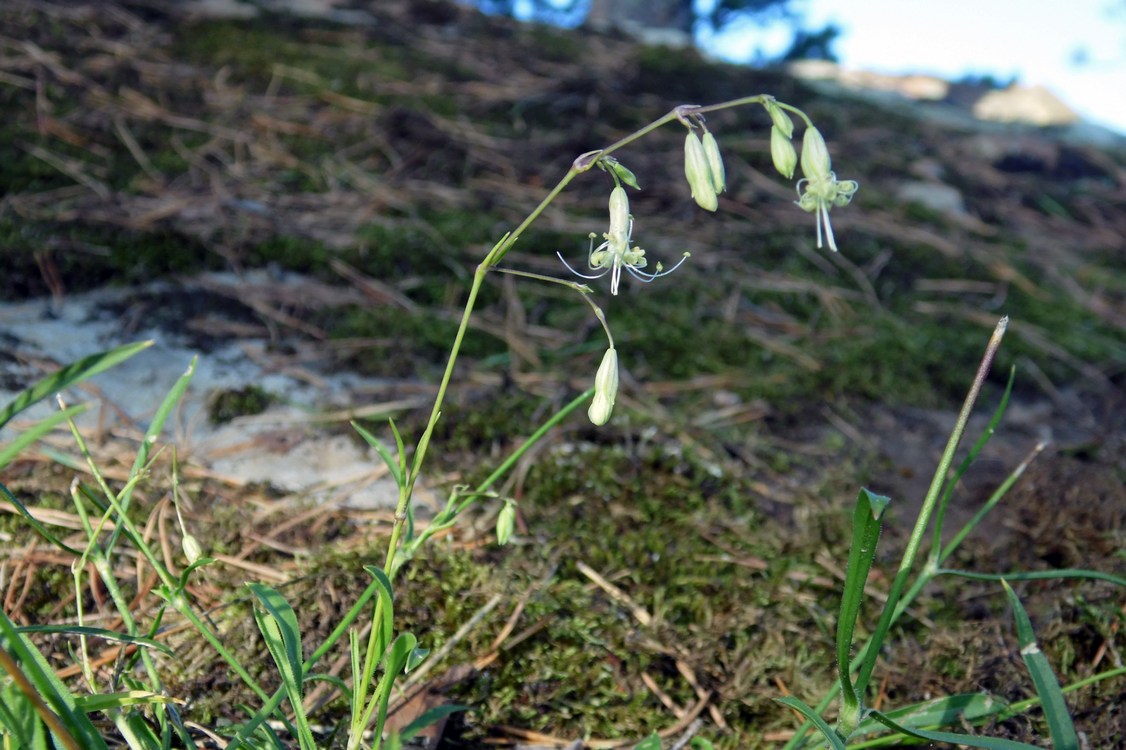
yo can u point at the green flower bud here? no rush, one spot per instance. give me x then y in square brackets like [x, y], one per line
[815, 161]
[619, 213]
[780, 119]
[605, 388]
[782, 152]
[698, 172]
[192, 549]
[715, 163]
[506, 522]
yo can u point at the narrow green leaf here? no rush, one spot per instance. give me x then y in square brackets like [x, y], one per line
[69, 375]
[652, 742]
[279, 627]
[26, 438]
[866, 517]
[386, 624]
[431, 716]
[381, 449]
[144, 452]
[831, 737]
[394, 662]
[939, 712]
[48, 686]
[19, 720]
[1036, 575]
[156, 425]
[107, 635]
[402, 448]
[699, 743]
[975, 451]
[1043, 677]
[105, 701]
[283, 638]
[141, 732]
[962, 740]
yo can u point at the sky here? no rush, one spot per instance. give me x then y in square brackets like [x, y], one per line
[1075, 48]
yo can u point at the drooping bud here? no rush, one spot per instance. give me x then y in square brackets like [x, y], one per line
[506, 522]
[192, 549]
[715, 163]
[782, 152]
[619, 212]
[698, 172]
[605, 388]
[815, 161]
[780, 119]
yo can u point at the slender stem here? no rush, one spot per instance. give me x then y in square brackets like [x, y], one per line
[921, 523]
[897, 604]
[581, 164]
[534, 438]
[176, 597]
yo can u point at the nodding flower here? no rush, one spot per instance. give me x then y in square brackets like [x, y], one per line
[605, 388]
[615, 252]
[698, 170]
[819, 190]
[819, 194]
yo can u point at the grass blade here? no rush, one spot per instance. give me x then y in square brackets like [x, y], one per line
[962, 740]
[955, 480]
[68, 375]
[1047, 686]
[381, 449]
[22, 441]
[175, 393]
[1037, 575]
[105, 701]
[278, 624]
[865, 533]
[830, 735]
[106, 635]
[938, 712]
[54, 703]
[429, 717]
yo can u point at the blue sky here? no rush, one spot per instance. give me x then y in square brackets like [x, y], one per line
[1076, 48]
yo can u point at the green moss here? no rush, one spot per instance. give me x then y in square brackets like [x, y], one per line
[238, 402]
[88, 256]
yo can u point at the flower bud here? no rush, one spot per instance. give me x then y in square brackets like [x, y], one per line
[698, 172]
[619, 212]
[782, 152]
[815, 162]
[192, 549]
[780, 119]
[715, 163]
[506, 522]
[605, 388]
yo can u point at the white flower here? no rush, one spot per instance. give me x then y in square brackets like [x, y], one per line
[615, 253]
[819, 194]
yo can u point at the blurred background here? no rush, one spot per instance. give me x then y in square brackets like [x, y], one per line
[1077, 50]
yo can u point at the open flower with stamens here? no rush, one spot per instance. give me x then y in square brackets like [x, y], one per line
[615, 253]
[821, 193]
